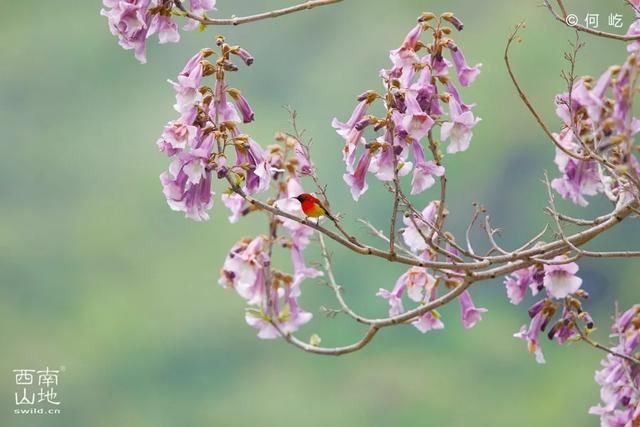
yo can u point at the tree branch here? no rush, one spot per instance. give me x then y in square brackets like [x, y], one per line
[235, 20]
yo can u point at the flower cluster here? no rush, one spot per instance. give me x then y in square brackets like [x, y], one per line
[421, 286]
[620, 378]
[271, 294]
[598, 125]
[133, 21]
[559, 281]
[420, 95]
[208, 124]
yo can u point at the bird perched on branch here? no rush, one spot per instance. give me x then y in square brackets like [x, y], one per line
[312, 207]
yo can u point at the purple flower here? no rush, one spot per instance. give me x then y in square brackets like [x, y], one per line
[176, 137]
[187, 184]
[250, 156]
[414, 123]
[258, 320]
[292, 316]
[466, 74]
[458, 128]
[634, 30]
[394, 298]
[560, 280]
[351, 135]
[188, 85]
[198, 8]
[243, 270]
[531, 335]
[305, 165]
[220, 110]
[593, 99]
[424, 171]
[619, 379]
[470, 313]
[356, 181]
[411, 235]
[579, 178]
[382, 163]
[165, 27]
[418, 283]
[428, 321]
[129, 21]
[244, 55]
[235, 203]
[243, 105]
[300, 270]
[405, 55]
[519, 280]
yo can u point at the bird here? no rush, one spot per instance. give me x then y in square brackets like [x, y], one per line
[312, 207]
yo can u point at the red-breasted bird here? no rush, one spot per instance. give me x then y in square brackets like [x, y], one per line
[312, 207]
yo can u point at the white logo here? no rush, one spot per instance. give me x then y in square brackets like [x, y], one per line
[36, 391]
[572, 20]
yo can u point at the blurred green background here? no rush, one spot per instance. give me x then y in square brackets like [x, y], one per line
[99, 277]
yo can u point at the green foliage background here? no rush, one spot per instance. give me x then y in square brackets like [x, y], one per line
[99, 276]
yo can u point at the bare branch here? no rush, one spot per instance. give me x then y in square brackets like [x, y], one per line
[526, 101]
[235, 20]
[584, 337]
[584, 29]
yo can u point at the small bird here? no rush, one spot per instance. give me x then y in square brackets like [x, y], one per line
[312, 207]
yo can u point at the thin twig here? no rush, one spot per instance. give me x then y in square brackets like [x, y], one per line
[582, 28]
[235, 20]
[584, 337]
[526, 101]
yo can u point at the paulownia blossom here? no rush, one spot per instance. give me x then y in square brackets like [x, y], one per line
[133, 21]
[189, 140]
[559, 281]
[619, 378]
[418, 91]
[598, 121]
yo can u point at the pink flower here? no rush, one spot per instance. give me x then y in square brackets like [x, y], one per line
[424, 171]
[236, 205]
[351, 135]
[129, 21]
[579, 178]
[357, 180]
[198, 8]
[187, 87]
[428, 321]
[165, 27]
[561, 280]
[414, 123]
[410, 233]
[466, 74]
[470, 313]
[242, 105]
[532, 335]
[382, 163]
[618, 379]
[405, 56]
[176, 137]
[300, 270]
[187, 184]
[519, 280]
[243, 270]
[458, 128]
